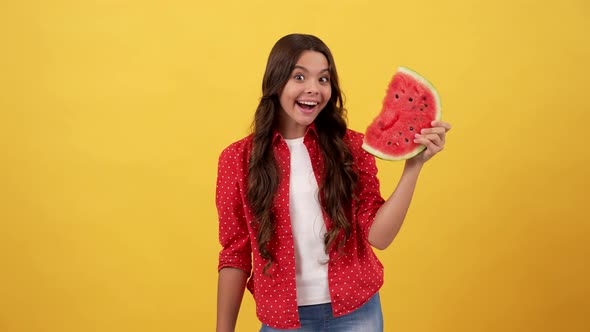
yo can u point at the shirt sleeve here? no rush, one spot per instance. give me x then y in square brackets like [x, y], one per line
[368, 189]
[233, 228]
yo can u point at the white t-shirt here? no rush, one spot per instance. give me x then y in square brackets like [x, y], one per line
[308, 227]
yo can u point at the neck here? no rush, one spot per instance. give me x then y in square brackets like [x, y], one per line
[292, 132]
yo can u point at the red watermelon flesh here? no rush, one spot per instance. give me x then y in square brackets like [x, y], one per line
[411, 104]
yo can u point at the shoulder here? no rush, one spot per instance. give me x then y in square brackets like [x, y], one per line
[354, 139]
[362, 158]
[237, 150]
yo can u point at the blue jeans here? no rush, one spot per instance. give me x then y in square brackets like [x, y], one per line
[318, 318]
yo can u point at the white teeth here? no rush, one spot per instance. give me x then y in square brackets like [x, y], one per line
[310, 103]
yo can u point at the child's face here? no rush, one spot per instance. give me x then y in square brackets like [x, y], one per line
[306, 93]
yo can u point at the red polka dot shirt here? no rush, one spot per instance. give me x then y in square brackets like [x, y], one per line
[355, 274]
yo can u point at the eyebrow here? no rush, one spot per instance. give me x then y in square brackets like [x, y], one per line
[305, 69]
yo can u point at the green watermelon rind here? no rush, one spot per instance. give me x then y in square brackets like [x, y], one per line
[374, 151]
[384, 156]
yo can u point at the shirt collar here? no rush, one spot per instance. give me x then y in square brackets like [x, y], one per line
[310, 133]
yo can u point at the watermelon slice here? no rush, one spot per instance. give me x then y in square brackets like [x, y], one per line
[411, 104]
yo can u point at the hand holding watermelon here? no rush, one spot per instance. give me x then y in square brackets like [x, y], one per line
[433, 139]
[409, 122]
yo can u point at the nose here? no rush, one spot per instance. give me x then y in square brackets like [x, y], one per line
[312, 87]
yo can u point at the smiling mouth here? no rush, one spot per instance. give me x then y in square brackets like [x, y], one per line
[307, 105]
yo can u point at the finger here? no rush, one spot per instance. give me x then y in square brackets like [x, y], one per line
[440, 131]
[443, 124]
[430, 146]
[434, 138]
[435, 130]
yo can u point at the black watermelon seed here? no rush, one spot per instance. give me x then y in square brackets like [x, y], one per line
[400, 133]
[396, 96]
[407, 140]
[411, 128]
[411, 99]
[388, 143]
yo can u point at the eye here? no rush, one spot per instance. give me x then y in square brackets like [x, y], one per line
[298, 77]
[324, 79]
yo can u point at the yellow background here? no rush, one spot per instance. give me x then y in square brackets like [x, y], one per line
[113, 113]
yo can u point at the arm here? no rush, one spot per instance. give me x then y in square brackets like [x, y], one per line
[391, 214]
[235, 256]
[230, 290]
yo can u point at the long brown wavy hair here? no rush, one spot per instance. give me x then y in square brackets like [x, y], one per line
[339, 178]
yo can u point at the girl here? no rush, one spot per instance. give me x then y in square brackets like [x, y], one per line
[299, 203]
